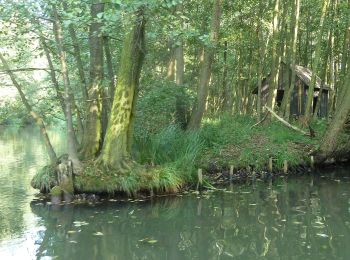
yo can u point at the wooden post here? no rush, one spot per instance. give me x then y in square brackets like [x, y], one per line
[249, 170]
[200, 179]
[253, 176]
[312, 162]
[270, 164]
[285, 166]
[231, 173]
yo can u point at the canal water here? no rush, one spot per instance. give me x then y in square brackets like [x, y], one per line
[305, 217]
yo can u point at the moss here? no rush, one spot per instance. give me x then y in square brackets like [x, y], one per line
[56, 191]
[98, 178]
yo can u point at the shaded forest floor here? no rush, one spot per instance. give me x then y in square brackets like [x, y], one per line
[168, 159]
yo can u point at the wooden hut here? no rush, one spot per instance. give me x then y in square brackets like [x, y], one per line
[299, 96]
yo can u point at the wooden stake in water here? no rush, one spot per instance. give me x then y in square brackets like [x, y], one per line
[312, 162]
[200, 179]
[231, 173]
[285, 166]
[270, 164]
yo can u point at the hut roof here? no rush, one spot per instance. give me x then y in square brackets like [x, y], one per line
[304, 74]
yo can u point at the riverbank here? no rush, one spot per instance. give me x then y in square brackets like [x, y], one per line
[168, 161]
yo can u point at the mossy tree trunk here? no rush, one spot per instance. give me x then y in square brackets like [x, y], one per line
[110, 70]
[199, 108]
[116, 147]
[332, 145]
[345, 53]
[92, 140]
[37, 118]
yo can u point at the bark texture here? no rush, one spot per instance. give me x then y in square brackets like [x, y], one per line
[199, 108]
[116, 148]
[92, 140]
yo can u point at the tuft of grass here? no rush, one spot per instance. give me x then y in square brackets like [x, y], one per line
[97, 178]
[172, 148]
[45, 179]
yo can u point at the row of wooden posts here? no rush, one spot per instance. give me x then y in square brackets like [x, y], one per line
[270, 168]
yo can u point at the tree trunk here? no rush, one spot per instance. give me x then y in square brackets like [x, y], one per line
[59, 96]
[287, 95]
[110, 70]
[171, 64]
[59, 91]
[92, 139]
[181, 110]
[331, 145]
[116, 147]
[274, 66]
[199, 108]
[77, 57]
[72, 148]
[227, 93]
[38, 120]
[323, 75]
[310, 93]
[345, 53]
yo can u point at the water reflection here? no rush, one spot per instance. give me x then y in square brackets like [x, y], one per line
[304, 218]
[295, 218]
[21, 155]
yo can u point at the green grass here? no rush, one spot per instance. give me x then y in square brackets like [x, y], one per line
[45, 179]
[169, 159]
[232, 141]
[97, 178]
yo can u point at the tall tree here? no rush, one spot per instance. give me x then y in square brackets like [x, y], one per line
[71, 139]
[77, 57]
[285, 106]
[117, 143]
[310, 92]
[199, 108]
[92, 139]
[332, 145]
[274, 57]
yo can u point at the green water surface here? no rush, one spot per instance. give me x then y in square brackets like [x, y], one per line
[305, 217]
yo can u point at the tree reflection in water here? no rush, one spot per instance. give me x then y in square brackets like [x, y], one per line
[304, 217]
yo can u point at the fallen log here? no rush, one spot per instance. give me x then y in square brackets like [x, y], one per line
[285, 122]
